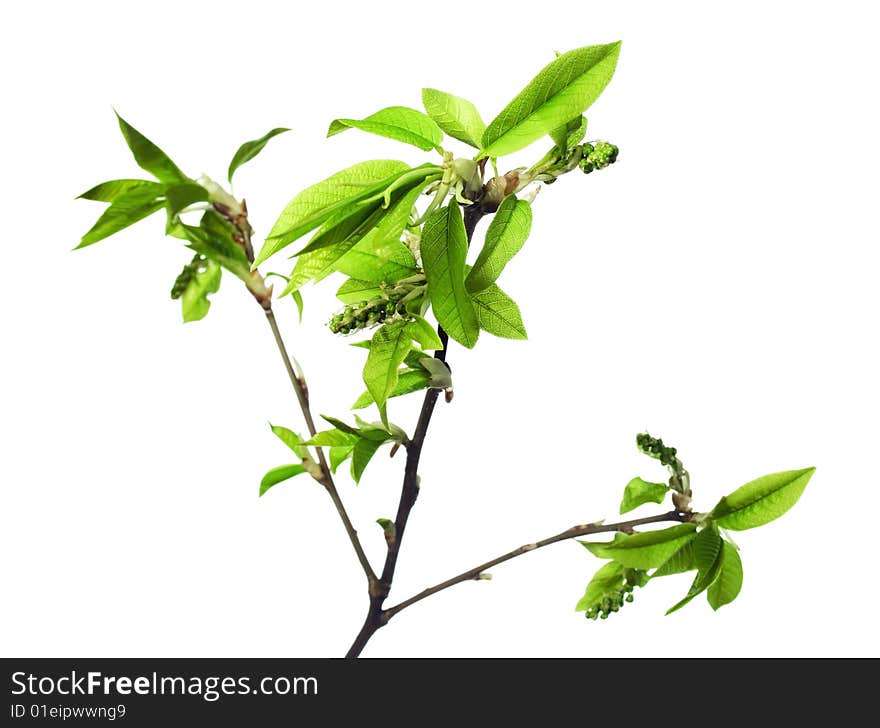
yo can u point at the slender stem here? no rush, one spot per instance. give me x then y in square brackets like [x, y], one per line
[573, 532]
[326, 475]
[376, 617]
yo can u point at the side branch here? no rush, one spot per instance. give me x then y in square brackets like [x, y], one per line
[326, 475]
[573, 532]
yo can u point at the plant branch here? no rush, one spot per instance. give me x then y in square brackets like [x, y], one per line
[263, 295]
[299, 386]
[376, 617]
[573, 532]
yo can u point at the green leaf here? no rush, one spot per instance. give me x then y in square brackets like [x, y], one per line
[340, 425]
[408, 381]
[127, 209]
[148, 156]
[444, 250]
[338, 455]
[355, 290]
[388, 228]
[390, 208]
[727, 585]
[498, 313]
[441, 377]
[379, 431]
[278, 475]
[643, 550]
[298, 300]
[181, 196]
[110, 191]
[361, 455]
[291, 439]
[564, 89]
[316, 204]
[707, 556]
[681, 561]
[375, 262]
[505, 236]
[456, 116]
[761, 501]
[638, 492]
[331, 438]
[608, 579]
[414, 358]
[350, 224]
[247, 151]
[194, 300]
[388, 347]
[215, 239]
[422, 332]
[396, 122]
[569, 135]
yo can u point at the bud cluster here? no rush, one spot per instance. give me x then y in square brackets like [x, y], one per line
[388, 307]
[597, 156]
[190, 271]
[613, 601]
[654, 447]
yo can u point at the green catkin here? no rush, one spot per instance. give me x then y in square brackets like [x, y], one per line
[389, 306]
[615, 600]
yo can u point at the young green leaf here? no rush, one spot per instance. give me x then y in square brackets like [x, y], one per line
[350, 223]
[180, 196]
[291, 439]
[338, 455]
[408, 381]
[298, 300]
[279, 475]
[194, 300]
[505, 236]
[761, 501]
[422, 332]
[321, 263]
[110, 191]
[148, 156]
[681, 561]
[456, 116]
[380, 432]
[361, 455]
[564, 89]
[396, 122]
[340, 425]
[375, 262]
[441, 377]
[498, 313]
[414, 358]
[247, 151]
[444, 249]
[355, 290]
[727, 585]
[606, 580]
[389, 345]
[215, 239]
[638, 492]
[127, 209]
[316, 204]
[643, 550]
[569, 135]
[331, 438]
[707, 556]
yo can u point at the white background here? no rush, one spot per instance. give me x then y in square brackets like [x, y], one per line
[717, 287]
